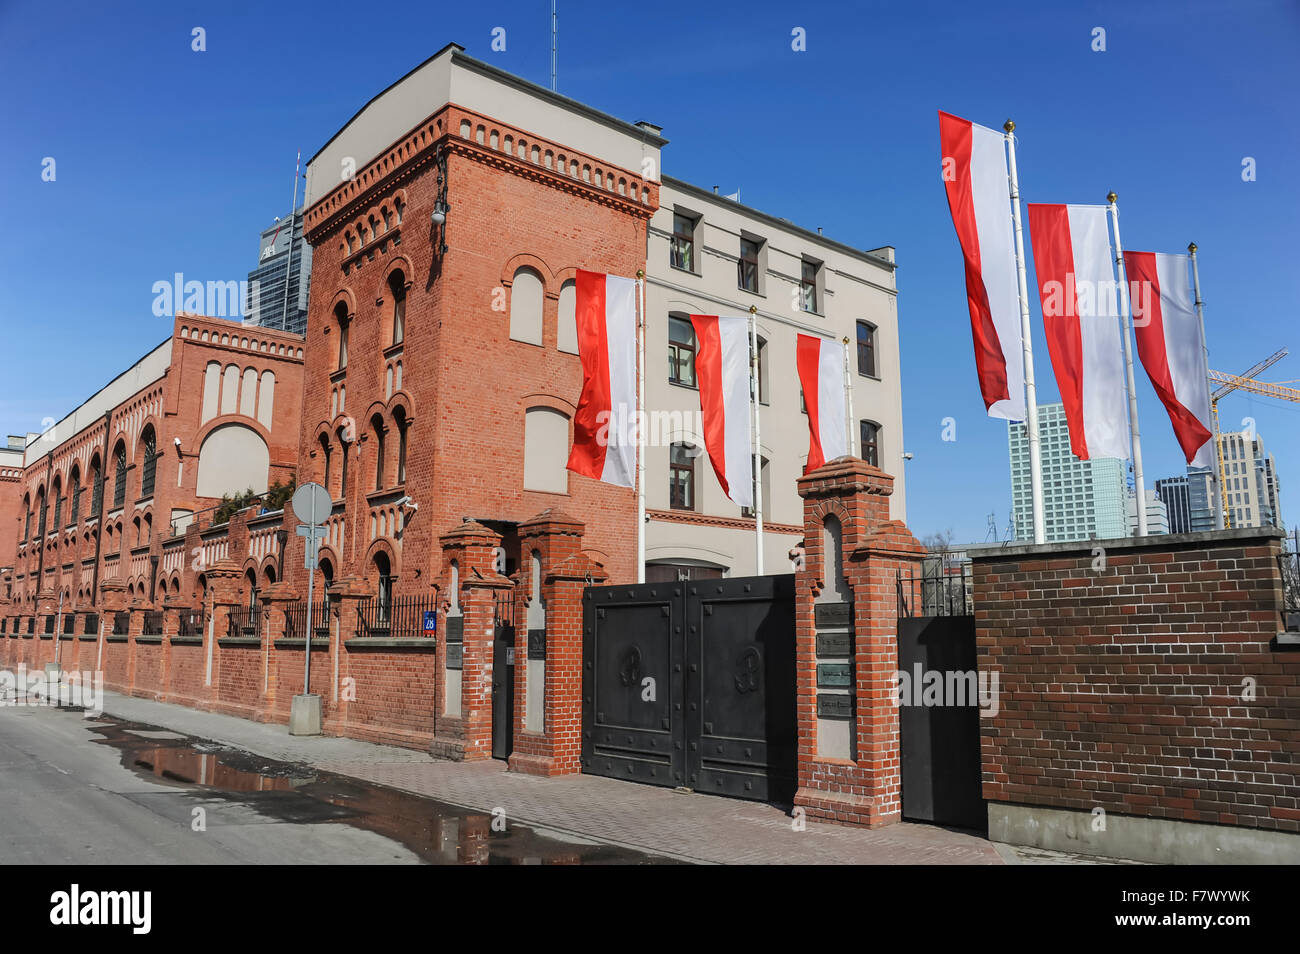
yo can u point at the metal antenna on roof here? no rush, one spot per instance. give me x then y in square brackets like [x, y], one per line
[555, 31]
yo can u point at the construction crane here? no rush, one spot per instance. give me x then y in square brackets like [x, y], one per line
[1243, 382]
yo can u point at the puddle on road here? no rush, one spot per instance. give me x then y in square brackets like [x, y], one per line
[436, 832]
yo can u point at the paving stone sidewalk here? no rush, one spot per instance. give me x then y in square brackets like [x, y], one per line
[700, 828]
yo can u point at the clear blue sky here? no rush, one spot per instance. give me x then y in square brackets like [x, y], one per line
[170, 161]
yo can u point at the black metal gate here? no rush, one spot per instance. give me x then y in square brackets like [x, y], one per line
[692, 685]
[503, 676]
[939, 711]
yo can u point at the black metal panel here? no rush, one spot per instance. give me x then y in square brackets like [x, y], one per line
[834, 644]
[741, 730]
[503, 690]
[632, 686]
[832, 615]
[940, 744]
[537, 644]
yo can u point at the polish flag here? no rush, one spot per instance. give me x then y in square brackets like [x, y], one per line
[722, 366]
[820, 362]
[1171, 344]
[1076, 285]
[979, 197]
[604, 426]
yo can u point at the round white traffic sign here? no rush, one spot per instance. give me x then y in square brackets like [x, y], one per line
[312, 504]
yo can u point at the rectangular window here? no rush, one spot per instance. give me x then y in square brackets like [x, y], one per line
[762, 371]
[747, 267]
[681, 352]
[866, 349]
[681, 477]
[682, 249]
[808, 287]
[871, 443]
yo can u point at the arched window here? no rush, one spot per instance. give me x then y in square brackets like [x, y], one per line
[74, 514]
[96, 487]
[341, 317]
[325, 449]
[681, 477]
[526, 307]
[566, 335]
[546, 450]
[27, 518]
[377, 428]
[681, 351]
[42, 512]
[344, 447]
[385, 598]
[119, 476]
[150, 468]
[58, 504]
[327, 580]
[250, 578]
[399, 418]
[397, 285]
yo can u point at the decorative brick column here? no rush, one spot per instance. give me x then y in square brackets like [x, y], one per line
[47, 603]
[345, 595]
[474, 547]
[847, 644]
[275, 601]
[548, 689]
[223, 590]
[112, 600]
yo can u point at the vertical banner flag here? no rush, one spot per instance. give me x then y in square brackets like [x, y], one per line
[1076, 286]
[1171, 344]
[722, 366]
[820, 362]
[605, 424]
[979, 197]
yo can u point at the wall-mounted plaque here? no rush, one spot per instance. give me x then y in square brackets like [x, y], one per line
[537, 644]
[834, 675]
[833, 644]
[455, 655]
[831, 614]
[455, 629]
[834, 706]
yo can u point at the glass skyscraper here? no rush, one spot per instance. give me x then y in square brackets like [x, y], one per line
[1082, 499]
[283, 254]
[1175, 492]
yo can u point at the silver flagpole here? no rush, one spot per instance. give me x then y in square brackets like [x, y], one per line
[1026, 338]
[848, 399]
[1209, 388]
[1139, 485]
[757, 456]
[640, 427]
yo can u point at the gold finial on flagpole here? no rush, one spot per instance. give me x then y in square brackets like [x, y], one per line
[1111, 197]
[753, 309]
[1009, 126]
[1192, 248]
[640, 273]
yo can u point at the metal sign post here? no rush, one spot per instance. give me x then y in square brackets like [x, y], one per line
[311, 502]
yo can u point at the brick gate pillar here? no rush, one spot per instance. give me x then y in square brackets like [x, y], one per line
[548, 687]
[847, 645]
[275, 601]
[224, 579]
[112, 600]
[465, 732]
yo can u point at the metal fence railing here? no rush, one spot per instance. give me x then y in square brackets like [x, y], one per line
[153, 623]
[69, 624]
[1289, 563]
[121, 622]
[49, 626]
[400, 617]
[936, 591]
[295, 619]
[244, 621]
[90, 626]
[191, 623]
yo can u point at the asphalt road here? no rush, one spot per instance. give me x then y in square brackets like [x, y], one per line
[69, 799]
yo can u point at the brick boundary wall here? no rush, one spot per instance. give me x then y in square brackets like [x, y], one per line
[1124, 666]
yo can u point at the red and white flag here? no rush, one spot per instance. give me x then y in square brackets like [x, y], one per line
[722, 367]
[821, 373]
[1171, 344]
[604, 426]
[979, 197]
[1076, 285]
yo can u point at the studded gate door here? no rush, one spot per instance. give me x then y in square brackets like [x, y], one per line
[692, 684]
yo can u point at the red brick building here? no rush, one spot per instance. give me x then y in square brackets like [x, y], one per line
[441, 377]
[210, 411]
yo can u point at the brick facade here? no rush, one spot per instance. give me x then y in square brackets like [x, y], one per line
[1127, 669]
[212, 376]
